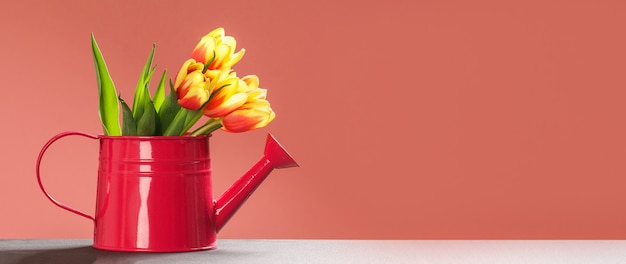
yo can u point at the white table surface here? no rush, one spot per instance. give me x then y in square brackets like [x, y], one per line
[329, 251]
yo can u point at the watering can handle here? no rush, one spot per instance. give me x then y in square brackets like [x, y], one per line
[43, 150]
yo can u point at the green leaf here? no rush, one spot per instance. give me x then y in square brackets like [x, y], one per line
[129, 126]
[176, 126]
[169, 109]
[108, 108]
[142, 94]
[208, 128]
[192, 118]
[146, 125]
[159, 94]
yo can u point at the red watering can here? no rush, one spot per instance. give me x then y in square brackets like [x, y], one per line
[155, 193]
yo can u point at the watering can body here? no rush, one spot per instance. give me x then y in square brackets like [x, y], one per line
[155, 193]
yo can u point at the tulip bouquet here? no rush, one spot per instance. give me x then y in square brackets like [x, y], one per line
[206, 85]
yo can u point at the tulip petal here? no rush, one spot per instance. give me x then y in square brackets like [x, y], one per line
[222, 54]
[189, 66]
[251, 80]
[203, 52]
[235, 57]
[216, 33]
[194, 98]
[225, 106]
[247, 119]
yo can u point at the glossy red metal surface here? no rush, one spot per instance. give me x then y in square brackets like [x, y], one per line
[275, 157]
[154, 193]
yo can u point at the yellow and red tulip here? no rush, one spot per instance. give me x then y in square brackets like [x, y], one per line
[238, 106]
[254, 113]
[191, 85]
[217, 51]
[226, 97]
[249, 116]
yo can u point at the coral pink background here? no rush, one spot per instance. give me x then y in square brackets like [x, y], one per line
[410, 119]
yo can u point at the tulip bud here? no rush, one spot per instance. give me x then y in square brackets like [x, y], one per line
[191, 86]
[217, 51]
[249, 117]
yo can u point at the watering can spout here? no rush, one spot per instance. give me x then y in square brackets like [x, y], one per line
[275, 157]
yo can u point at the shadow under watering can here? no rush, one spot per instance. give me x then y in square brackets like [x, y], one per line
[154, 194]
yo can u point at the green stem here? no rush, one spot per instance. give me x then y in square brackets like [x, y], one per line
[208, 128]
